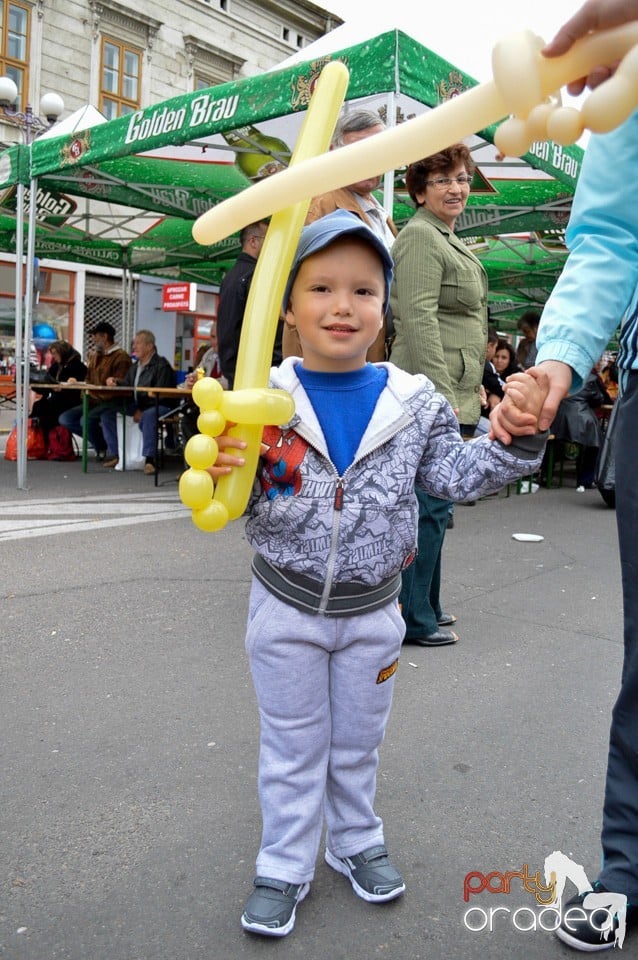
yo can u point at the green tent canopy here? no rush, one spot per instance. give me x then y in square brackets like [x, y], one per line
[129, 189]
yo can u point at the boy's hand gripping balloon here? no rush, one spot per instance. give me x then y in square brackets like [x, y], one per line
[525, 89]
[252, 405]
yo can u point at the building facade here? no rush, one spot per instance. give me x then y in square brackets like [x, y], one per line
[120, 57]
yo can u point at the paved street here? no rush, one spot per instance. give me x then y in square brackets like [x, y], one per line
[130, 819]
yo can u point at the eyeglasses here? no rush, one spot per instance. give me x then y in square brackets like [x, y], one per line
[442, 183]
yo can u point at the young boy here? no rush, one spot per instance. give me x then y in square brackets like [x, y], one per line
[333, 523]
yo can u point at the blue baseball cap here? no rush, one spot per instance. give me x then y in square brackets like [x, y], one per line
[321, 233]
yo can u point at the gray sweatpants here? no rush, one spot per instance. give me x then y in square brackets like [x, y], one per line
[324, 689]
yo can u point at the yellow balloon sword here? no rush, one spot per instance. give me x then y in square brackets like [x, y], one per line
[252, 404]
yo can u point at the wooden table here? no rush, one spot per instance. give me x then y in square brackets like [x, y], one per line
[125, 392]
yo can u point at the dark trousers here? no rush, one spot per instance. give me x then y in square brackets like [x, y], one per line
[620, 813]
[421, 581]
[72, 420]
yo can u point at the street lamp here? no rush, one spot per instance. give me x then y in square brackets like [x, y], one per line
[31, 127]
[51, 106]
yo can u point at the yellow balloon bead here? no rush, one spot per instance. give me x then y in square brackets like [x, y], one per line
[211, 518]
[201, 451]
[211, 422]
[196, 489]
[207, 393]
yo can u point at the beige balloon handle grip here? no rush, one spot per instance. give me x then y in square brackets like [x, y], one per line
[526, 89]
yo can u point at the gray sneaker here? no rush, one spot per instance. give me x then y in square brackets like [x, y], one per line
[372, 875]
[270, 909]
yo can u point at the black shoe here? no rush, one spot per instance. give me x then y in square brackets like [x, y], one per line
[373, 876]
[593, 927]
[450, 522]
[270, 910]
[439, 639]
[446, 619]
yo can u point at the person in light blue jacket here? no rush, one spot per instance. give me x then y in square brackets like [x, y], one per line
[596, 292]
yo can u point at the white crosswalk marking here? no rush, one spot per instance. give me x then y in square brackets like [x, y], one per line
[20, 519]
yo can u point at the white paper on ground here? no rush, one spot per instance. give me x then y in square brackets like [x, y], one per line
[528, 537]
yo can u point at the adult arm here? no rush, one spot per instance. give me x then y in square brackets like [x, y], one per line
[597, 287]
[599, 280]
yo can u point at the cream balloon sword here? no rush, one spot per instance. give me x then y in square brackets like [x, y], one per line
[523, 89]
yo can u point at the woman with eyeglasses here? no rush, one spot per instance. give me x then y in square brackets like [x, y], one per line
[439, 303]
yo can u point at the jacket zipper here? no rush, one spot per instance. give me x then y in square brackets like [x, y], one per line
[334, 540]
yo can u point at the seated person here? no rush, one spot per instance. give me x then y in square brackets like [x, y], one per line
[491, 382]
[66, 367]
[106, 359]
[576, 422]
[149, 370]
[528, 328]
[505, 360]
[609, 377]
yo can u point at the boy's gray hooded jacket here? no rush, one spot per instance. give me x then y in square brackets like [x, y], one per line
[361, 528]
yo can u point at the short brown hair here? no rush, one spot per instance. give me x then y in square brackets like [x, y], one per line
[421, 170]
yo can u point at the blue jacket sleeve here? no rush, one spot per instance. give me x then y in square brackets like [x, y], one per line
[598, 285]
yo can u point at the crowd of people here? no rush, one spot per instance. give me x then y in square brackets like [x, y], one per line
[108, 366]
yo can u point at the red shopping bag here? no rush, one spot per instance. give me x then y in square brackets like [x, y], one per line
[36, 447]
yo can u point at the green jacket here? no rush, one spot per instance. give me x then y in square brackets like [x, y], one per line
[439, 303]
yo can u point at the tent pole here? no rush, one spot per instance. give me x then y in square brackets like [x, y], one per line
[19, 288]
[124, 308]
[28, 307]
[127, 307]
[388, 178]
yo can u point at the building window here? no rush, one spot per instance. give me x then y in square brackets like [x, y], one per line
[14, 48]
[121, 74]
[55, 304]
[209, 65]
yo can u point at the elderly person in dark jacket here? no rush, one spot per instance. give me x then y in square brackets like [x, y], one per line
[149, 370]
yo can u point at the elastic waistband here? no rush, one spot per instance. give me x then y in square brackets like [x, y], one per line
[306, 594]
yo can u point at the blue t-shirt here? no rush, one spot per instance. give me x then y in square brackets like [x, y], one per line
[344, 403]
